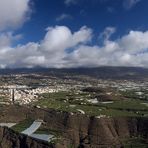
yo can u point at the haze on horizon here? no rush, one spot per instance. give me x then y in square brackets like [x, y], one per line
[73, 33]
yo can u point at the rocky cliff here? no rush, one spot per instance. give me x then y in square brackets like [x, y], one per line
[83, 131]
[76, 130]
[11, 139]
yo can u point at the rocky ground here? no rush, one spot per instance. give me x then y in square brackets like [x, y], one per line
[73, 130]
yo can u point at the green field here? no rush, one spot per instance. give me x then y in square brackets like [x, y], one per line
[72, 102]
[133, 94]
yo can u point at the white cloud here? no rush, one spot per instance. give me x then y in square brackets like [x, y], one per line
[128, 4]
[129, 50]
[63, 48]
[135, 42]
[6, 38]
[63, 17]
[60, 38]
[50, 52]
[13, 13]
[107, 33]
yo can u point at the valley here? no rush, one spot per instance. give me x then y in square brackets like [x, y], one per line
[66, 110]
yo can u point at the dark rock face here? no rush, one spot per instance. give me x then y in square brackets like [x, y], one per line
[11, 139]
[85, 131]
[77, 130]
[93, 89]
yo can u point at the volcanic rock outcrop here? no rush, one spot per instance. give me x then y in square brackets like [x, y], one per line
[76, 130]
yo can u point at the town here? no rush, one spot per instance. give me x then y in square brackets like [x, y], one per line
[38, 104]
[27, 88]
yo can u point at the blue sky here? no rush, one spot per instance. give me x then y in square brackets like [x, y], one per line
[73, 33]
[96, 14]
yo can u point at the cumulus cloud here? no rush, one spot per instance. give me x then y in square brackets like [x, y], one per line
[63, 17]
[128, 4]
[61, 47]
[128, 50]
[13, 13]
[50, 52]
[6, 38]
[60, 38]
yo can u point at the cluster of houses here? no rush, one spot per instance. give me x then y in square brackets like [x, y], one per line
[24, 94]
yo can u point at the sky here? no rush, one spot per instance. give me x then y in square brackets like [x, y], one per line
[73, 33]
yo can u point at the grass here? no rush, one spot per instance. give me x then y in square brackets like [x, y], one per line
[21, 126]
[57, 134]
[130, 104]
[63, 101]
[48, 131]
[96, 111]
[133, 95]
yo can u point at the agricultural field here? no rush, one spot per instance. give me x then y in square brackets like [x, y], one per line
[86, 103]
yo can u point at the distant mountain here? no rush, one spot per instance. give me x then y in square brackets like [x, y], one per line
[100, 72]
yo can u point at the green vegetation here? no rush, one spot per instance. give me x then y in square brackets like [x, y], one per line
[129, 105]
[21, 126]
[71, 146]
[43, 130]
[4, 99]
[57, 134]
[70, 97]
[74, 102]
[133, 94]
